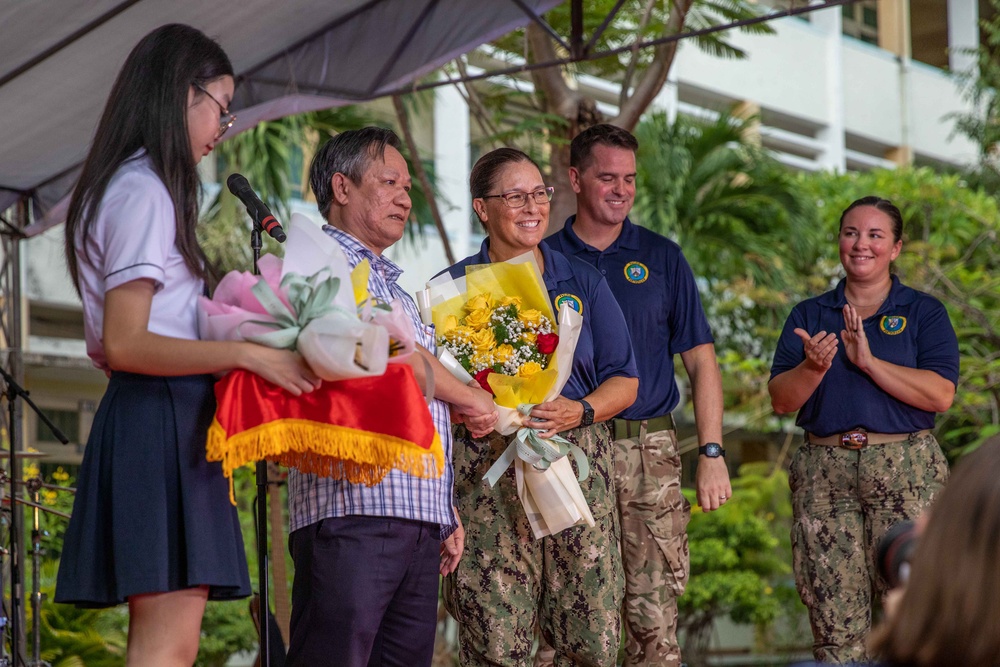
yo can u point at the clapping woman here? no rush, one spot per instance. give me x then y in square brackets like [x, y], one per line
[867, 365]
[571, 584]
[152, 524]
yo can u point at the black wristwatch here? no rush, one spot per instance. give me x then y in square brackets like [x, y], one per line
[588, 413]
[712, 450]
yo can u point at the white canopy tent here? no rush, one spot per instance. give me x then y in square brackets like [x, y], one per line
[58, 60]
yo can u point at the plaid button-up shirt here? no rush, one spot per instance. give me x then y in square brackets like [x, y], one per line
[312, 498]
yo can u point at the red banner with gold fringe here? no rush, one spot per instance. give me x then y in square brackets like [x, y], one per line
[355, 430]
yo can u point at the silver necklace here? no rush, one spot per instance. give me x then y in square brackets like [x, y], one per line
[858, 305]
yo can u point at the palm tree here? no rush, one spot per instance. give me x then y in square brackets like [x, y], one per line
[734, 209]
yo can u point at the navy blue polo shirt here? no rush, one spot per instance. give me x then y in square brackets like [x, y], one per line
[910, 329]
[655, 287]
[570, 280]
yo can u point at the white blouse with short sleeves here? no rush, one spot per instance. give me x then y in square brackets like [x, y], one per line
[131, 238]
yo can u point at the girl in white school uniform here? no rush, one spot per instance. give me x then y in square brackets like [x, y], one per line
[152, 524]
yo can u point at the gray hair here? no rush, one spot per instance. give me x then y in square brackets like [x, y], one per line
[349, 153]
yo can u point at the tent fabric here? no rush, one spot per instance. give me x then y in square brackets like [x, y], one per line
[58, 61]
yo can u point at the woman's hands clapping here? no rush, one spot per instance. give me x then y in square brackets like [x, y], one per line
[819, 349]
[855, 339]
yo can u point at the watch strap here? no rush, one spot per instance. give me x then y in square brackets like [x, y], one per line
[712, 450]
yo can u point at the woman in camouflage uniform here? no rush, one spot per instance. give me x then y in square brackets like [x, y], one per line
[570, 584]
[869, 459]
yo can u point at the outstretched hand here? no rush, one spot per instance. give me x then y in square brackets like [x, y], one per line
[819, 349]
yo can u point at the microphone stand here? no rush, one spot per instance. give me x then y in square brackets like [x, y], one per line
[264, 607]
[12, 392]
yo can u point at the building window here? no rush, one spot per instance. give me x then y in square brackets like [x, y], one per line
[67, 421]
[860, 20]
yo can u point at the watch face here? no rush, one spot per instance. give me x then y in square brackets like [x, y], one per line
[712, 450]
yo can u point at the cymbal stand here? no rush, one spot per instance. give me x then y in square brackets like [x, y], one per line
[12, 392]
[34, 486]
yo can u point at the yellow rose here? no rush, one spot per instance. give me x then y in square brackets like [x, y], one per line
[528, 369]
[503, 353]
[511, 301]
[462, 332]
[483, 341]
[479, 302]
[530, 317]
[449, 323]
[478, 319]
[529, 337]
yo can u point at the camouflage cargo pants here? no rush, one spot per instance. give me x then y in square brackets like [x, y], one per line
[843, 502]
[569, 584]
[654, 518]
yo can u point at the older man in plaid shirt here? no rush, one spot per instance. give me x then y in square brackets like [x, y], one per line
[367, 559]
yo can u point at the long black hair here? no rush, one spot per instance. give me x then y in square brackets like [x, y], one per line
[147, 108]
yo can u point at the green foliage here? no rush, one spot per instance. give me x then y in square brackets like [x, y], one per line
[226, 629]
[707, 185]
[51, 527]
[740, 557]
[949, 251]
[72, 637]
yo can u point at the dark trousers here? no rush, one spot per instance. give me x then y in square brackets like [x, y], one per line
[365, 592]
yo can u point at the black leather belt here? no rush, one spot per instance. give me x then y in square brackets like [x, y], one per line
[629, 428]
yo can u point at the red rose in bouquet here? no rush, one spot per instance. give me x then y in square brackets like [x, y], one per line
[547, 343]
[482, 378]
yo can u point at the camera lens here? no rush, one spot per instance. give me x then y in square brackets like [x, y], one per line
[894, 552]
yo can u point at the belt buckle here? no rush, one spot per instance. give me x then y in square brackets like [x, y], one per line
[854, 439]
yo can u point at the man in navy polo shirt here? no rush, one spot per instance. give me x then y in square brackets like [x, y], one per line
[655, 288]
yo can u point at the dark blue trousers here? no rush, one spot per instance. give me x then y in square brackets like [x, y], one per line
[365, 592]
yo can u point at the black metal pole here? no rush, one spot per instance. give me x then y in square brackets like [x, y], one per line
[261, 474]
[34, 486]
[16, 516]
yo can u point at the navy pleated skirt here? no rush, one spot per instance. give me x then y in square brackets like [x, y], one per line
[151, 515]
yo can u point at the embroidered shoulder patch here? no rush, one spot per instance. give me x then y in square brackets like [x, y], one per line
[572, 300]
[892, 324]
[636, 272]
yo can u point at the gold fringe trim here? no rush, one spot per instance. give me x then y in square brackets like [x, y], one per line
[326, 450]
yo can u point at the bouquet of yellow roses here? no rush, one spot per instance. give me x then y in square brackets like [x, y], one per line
[496, 325]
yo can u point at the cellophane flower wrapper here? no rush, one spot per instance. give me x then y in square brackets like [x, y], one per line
[313, 302]
[551, 497]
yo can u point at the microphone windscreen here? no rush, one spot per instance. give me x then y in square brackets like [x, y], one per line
[238, 184]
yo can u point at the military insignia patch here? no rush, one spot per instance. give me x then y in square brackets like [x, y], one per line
[636, 272]
[573, 300]
[892, 324]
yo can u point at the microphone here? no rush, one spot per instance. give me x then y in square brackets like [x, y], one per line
[257, 209]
